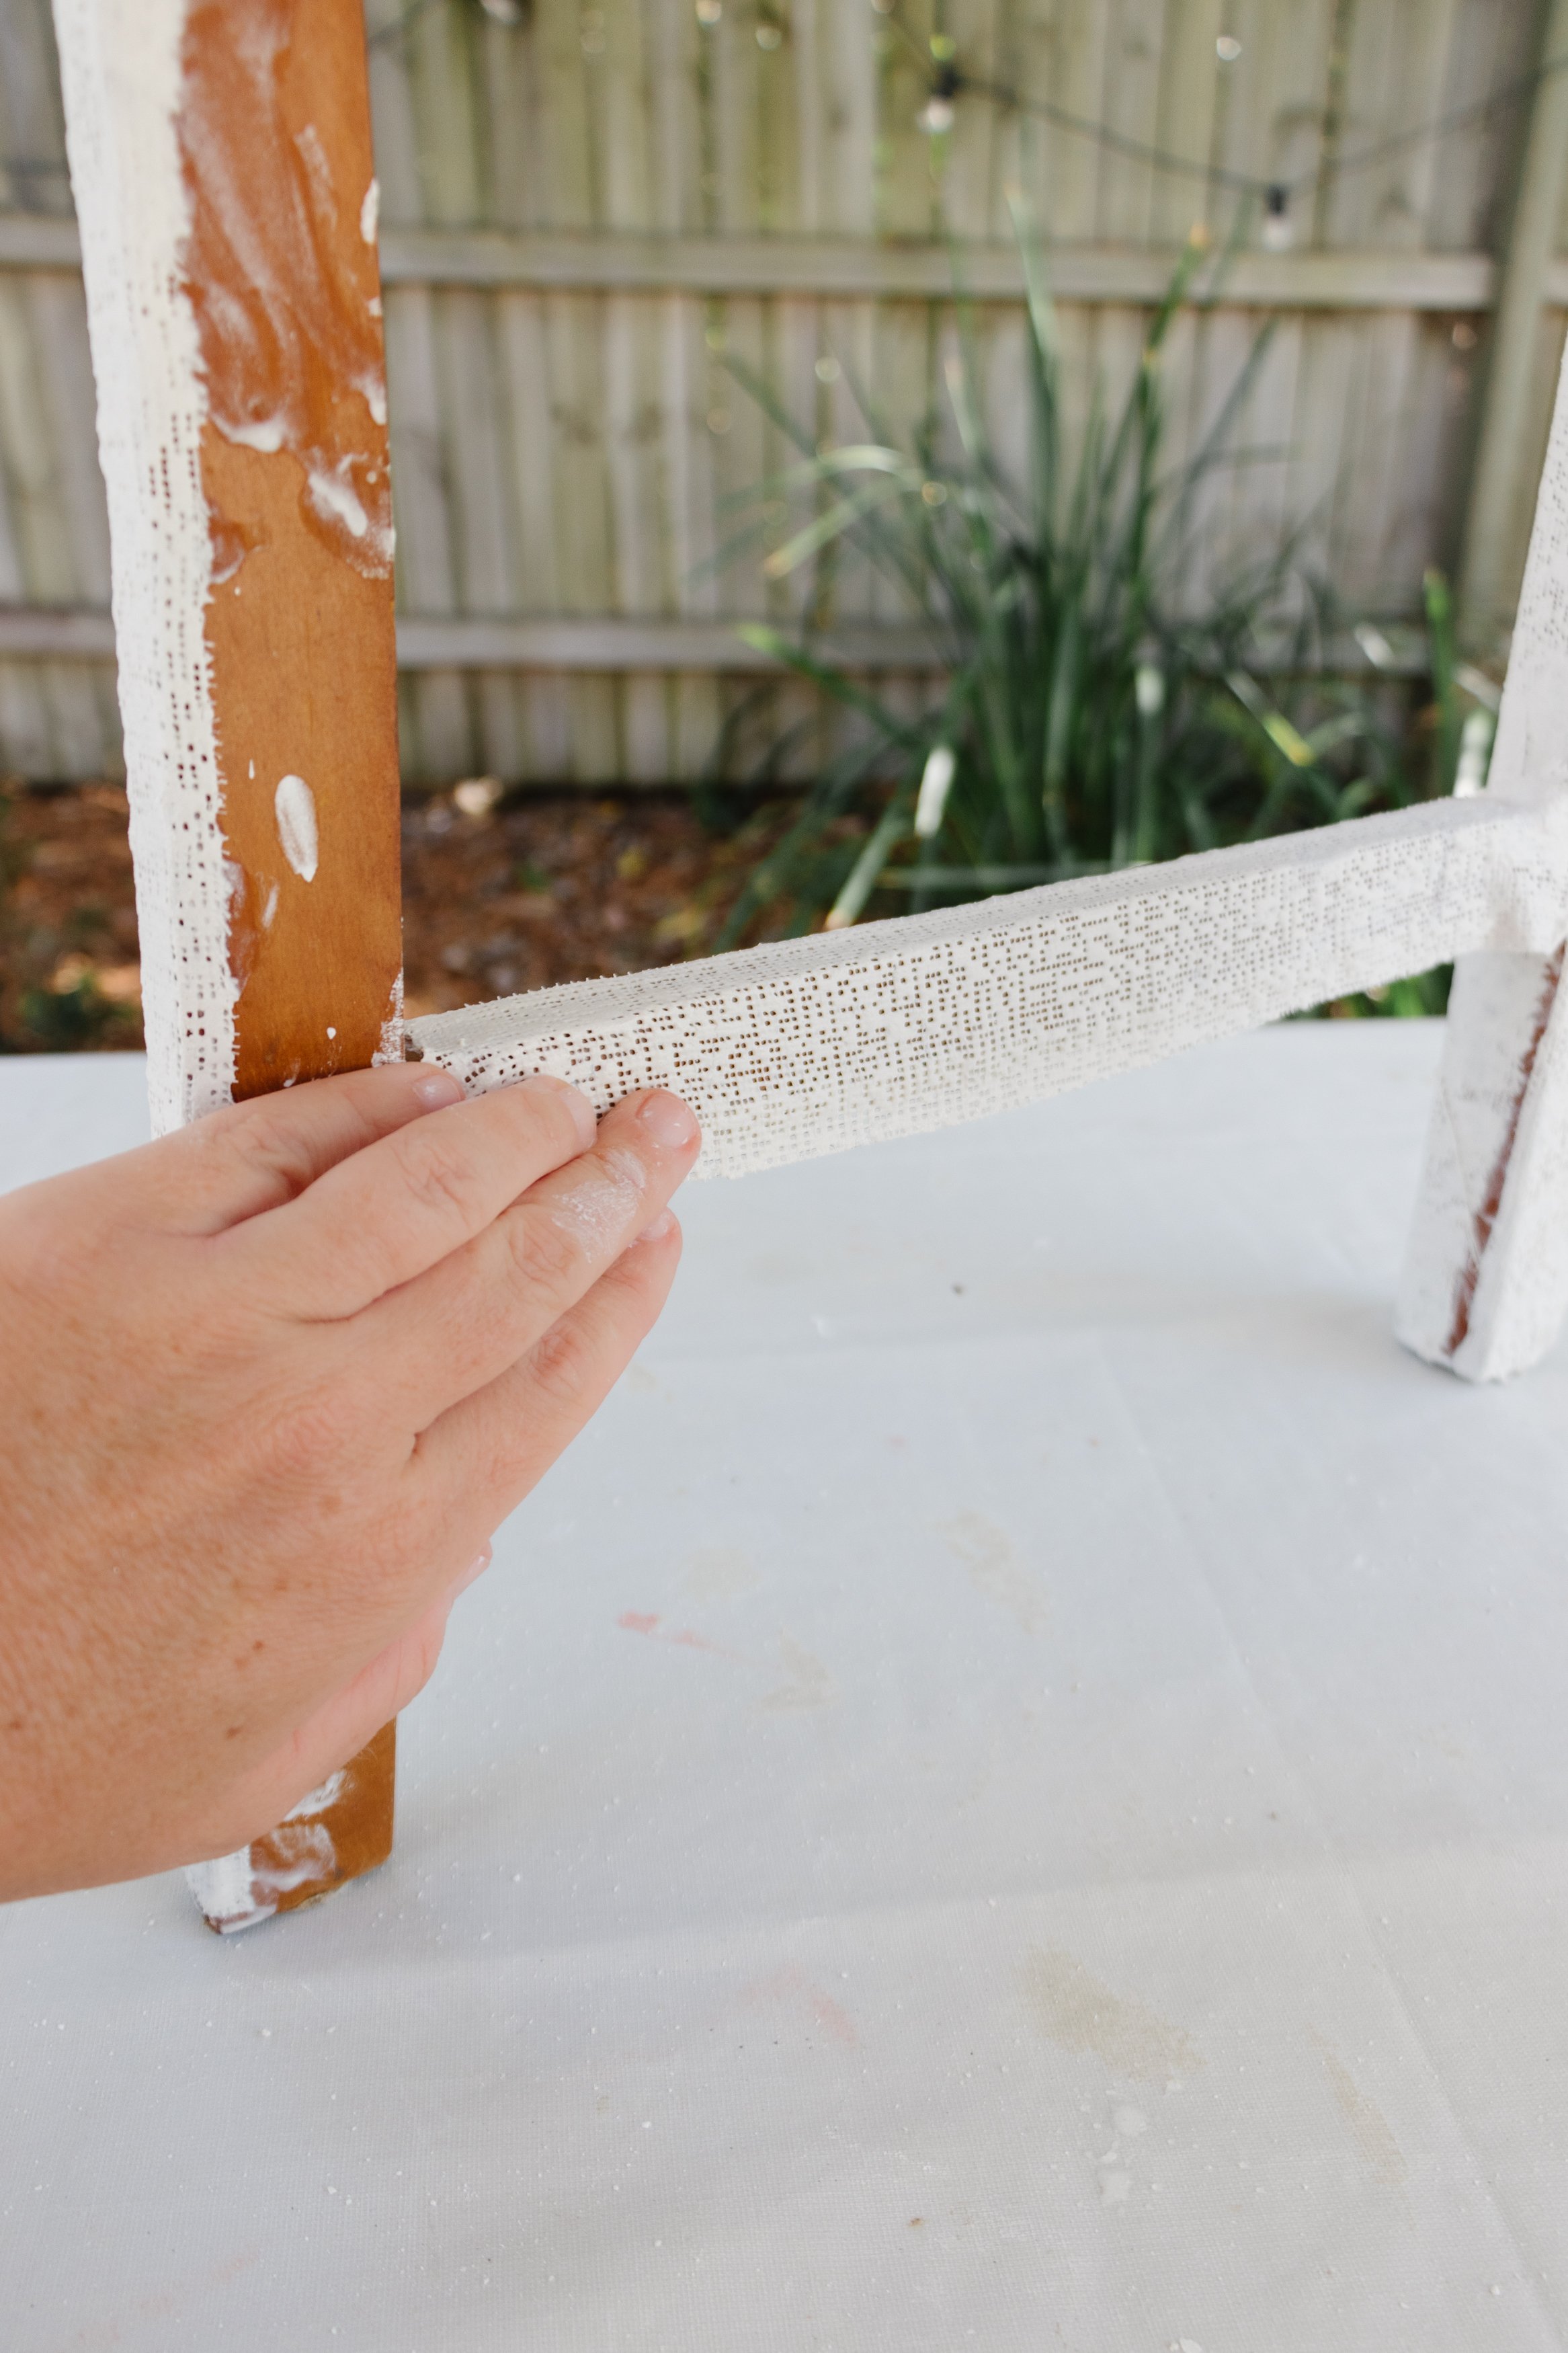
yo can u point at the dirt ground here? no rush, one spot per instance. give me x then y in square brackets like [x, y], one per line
[496, 899]
[497, 896]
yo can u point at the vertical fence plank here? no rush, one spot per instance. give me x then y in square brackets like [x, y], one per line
[584, 544]
[530, 441]
[436, 742]
[847, 95]
[392, 110]
[1322, 397]
[676, 198]
[1129, 105]
[1489, 51]
[58, 319]
[733, 60]
[1184, 121]
[31, 457]
[509, 91]
[33, 176]
[969, 188]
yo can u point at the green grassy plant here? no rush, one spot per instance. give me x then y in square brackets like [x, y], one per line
[1090, 717]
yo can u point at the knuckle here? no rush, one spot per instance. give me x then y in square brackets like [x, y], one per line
[264, 1149]
[544, 1254]
[562, 1365]
[436, 1177]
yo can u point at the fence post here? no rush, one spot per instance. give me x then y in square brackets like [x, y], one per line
[1501, 461]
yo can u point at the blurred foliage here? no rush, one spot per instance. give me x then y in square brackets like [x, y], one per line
[64, 988]
[1095, 714]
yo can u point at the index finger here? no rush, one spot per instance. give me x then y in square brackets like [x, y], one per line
[405, 1202]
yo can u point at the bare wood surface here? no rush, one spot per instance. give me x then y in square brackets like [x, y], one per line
[282, 271]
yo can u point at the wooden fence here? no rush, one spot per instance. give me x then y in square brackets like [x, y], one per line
[584, 211]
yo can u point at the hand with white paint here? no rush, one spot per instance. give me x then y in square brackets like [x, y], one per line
[268, 1387]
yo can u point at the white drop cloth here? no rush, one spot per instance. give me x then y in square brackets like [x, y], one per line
[1011, 1790]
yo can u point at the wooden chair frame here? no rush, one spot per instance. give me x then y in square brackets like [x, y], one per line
[221, 158]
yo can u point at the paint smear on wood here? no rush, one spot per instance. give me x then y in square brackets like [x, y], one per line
[274, 133]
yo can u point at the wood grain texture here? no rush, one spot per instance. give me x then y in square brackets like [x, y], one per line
[274, 135]
[273, 129]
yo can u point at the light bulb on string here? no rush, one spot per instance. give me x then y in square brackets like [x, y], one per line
[1278, 232]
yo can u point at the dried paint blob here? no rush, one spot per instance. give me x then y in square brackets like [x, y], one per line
[294, 805]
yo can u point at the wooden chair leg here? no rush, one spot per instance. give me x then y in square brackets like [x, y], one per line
[221, 160]
[1485, 1288]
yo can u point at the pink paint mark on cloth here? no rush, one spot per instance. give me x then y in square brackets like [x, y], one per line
[792, 1985]
[647, 1622]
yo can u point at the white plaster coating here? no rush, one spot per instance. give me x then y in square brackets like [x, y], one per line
[294, 808]
[119, 71]
[241, 1890]
[316, 1801]
[812, 1046]
[263, 433]
[334, 497]
[391, 1047]
[226, 1891]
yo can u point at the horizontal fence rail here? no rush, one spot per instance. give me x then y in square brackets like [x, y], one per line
[609, 643]
[539, 262]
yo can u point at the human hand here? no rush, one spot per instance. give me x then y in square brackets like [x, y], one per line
[267, 1387]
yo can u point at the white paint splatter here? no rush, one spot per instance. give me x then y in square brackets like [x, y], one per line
[226, 1893]
[370, 213]
[263, 433]
[316, 1801]
[336, 498]
[294, 807]
[391, 1047]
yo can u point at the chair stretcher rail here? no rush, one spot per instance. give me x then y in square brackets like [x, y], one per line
[807, 1047]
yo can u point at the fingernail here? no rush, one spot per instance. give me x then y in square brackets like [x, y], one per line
[585, 1117]
[438, 1091]
[475, 1569]
[669, 1122]
[659, 1227]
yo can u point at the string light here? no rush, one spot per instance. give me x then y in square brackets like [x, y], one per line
[950, 82]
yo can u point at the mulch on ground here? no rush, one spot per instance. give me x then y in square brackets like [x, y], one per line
[497, 897]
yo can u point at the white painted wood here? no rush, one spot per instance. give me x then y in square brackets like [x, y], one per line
[120, 66]
[810, 1045]
[1486, 1281]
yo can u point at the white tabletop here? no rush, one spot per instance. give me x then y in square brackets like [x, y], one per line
[1013, 1790]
